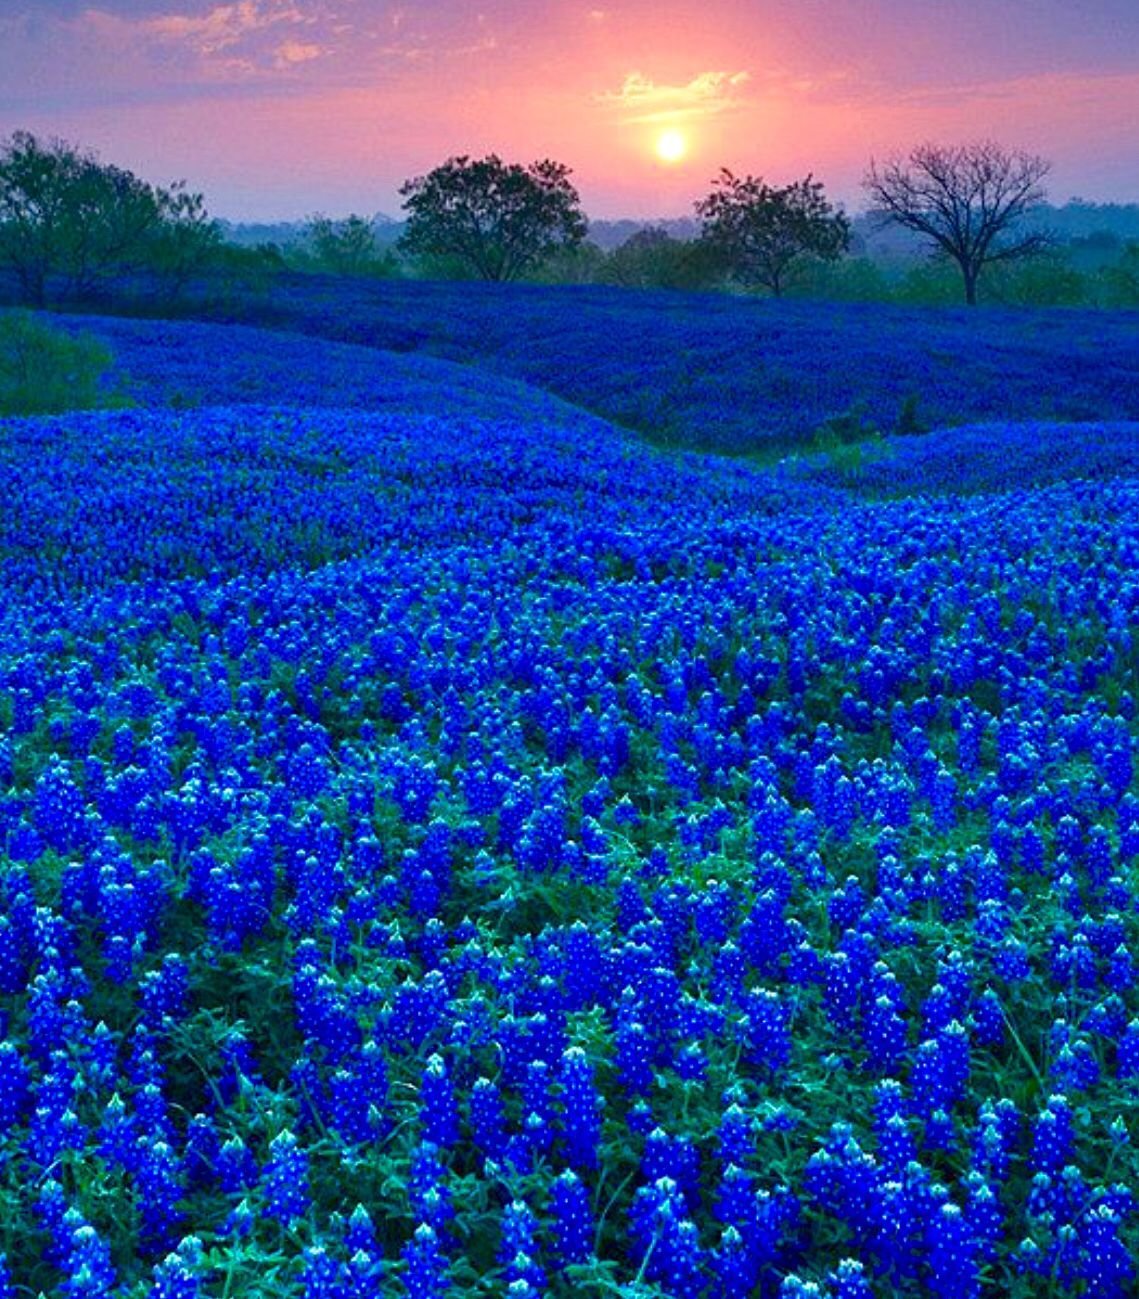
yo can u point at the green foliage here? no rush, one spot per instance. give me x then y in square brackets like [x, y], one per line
[70, 224]
[766, 234]
[652, 259]
[498, 219]
[582, 263]
[186, 243]
[1046, 280]
[1119, 283]
[348, 247]
[847, 279]
[848, 439]
[43, 371]
[932, 283]
[910, 421]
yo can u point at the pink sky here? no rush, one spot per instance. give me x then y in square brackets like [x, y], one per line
[279, 108]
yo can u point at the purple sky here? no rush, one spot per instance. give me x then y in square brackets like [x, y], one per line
[279, 108]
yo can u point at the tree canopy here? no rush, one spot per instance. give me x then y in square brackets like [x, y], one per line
[347, 246]
[69, 223]
[498, 219]
[767, 234]
[967, 199]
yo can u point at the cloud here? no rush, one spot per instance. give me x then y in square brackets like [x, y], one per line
[289, 53]
[706, 95]
[220, 28]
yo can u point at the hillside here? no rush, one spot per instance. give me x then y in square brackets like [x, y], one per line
[451, 848]
[738, 375]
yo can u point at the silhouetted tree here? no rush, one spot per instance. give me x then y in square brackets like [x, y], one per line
[966, 198]
[67, 218]
[498, 219]
[187, 241]
[348, 246]
[653, 259]
[767, 234]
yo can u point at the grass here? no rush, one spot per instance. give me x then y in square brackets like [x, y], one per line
[46, 372]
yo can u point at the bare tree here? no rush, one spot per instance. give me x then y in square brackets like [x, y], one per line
[966, 198]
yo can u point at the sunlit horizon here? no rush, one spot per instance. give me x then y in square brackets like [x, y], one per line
[275, 110]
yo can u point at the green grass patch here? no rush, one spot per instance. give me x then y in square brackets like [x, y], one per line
[44, 371]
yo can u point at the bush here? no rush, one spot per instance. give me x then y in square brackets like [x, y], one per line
[44, 371]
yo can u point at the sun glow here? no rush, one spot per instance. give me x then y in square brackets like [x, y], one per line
[671, 146]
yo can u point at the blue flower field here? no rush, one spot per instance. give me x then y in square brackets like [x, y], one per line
[736, 375]
[452, 848]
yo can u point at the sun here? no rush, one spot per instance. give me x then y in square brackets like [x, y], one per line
[671, 145]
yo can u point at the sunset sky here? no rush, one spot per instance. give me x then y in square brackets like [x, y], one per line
[279, 108]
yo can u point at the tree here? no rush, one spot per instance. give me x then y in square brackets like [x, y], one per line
[69, 220]
[347, 247]
[652, 259]
[966, 198]
[498, 219]
[768, 234]
[187, 241]
[35, 183]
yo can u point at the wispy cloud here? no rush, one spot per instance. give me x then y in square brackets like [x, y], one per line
[706, 95]
[222, 27]
[289, 53]
[239, 39]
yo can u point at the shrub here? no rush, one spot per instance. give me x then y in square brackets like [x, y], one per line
[44, 371]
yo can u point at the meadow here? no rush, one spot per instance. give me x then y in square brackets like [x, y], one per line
[729, 374]
[452, 847]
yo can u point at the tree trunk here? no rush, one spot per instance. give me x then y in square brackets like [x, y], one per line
[970, 285]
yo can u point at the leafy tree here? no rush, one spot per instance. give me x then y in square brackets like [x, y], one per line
[653, 259]
[1120, 281]
[347, 247]
[69, 220]
[582, 263]
[768, 234]
[37, 187]
[498, 219]
[1046, 280]
[967, 199]
[186, 242]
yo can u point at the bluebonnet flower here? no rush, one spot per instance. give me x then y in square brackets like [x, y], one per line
[284, 1179]
[768, 1030]
[573, 1219]
[322, 1275]
[518, 1246]
[581, 1110]
[665, 1242]
[1053, 1137]
[88, 1265]
[1107, 1267]
[179, 1275]
[14, 1086]
[953, 1268]
[795, 1287]
[439, 1115]
[425, 1274]
[235, 1167]
[674, 1158]
[849, 1281]
[488, 1119]
[427, 1189]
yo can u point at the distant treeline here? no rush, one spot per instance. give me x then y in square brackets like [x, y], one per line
[75, 230]
[1093, 260]
[1102, 225]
